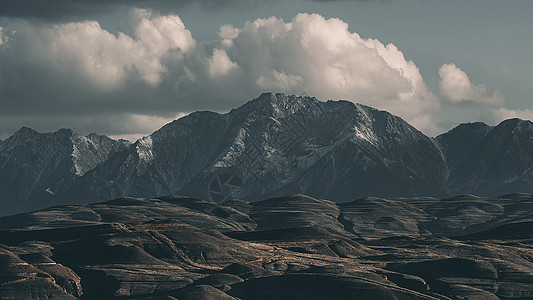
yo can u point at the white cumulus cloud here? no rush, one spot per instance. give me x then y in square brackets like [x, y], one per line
[456, 86]
[322, 57]
[85, 51]
[228, 32]
[278, 81]
[220, 63]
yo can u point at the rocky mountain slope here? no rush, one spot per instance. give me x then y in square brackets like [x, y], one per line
[272, 146]
[34, 166]
[485, 160]
[294, 247]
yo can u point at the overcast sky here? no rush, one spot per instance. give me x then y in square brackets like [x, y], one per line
[125, 68]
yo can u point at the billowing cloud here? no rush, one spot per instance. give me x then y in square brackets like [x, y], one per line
[279, 81]
[456, 86]
[78, 70]
[220, 64]
[60, 67]
[322, 57]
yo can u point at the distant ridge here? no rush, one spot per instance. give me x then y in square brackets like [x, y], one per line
[507, 216]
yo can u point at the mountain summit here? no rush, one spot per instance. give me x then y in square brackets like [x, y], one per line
[274, 145]
[490, 160]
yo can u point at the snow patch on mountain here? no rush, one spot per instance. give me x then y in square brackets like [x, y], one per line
[144, 149]
[366, 134]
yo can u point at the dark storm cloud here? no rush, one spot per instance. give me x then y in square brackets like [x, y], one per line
[67, 10]
[56, 9]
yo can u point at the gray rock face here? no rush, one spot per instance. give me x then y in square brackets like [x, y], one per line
[486, 160]
[273, 146]
[336, 150]
[35, 166]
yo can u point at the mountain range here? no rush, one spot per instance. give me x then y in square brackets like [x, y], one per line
[272, 146]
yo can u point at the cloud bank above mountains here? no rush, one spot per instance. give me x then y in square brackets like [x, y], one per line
[79, 74]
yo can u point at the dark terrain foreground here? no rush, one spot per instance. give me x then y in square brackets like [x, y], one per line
[293, 247]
